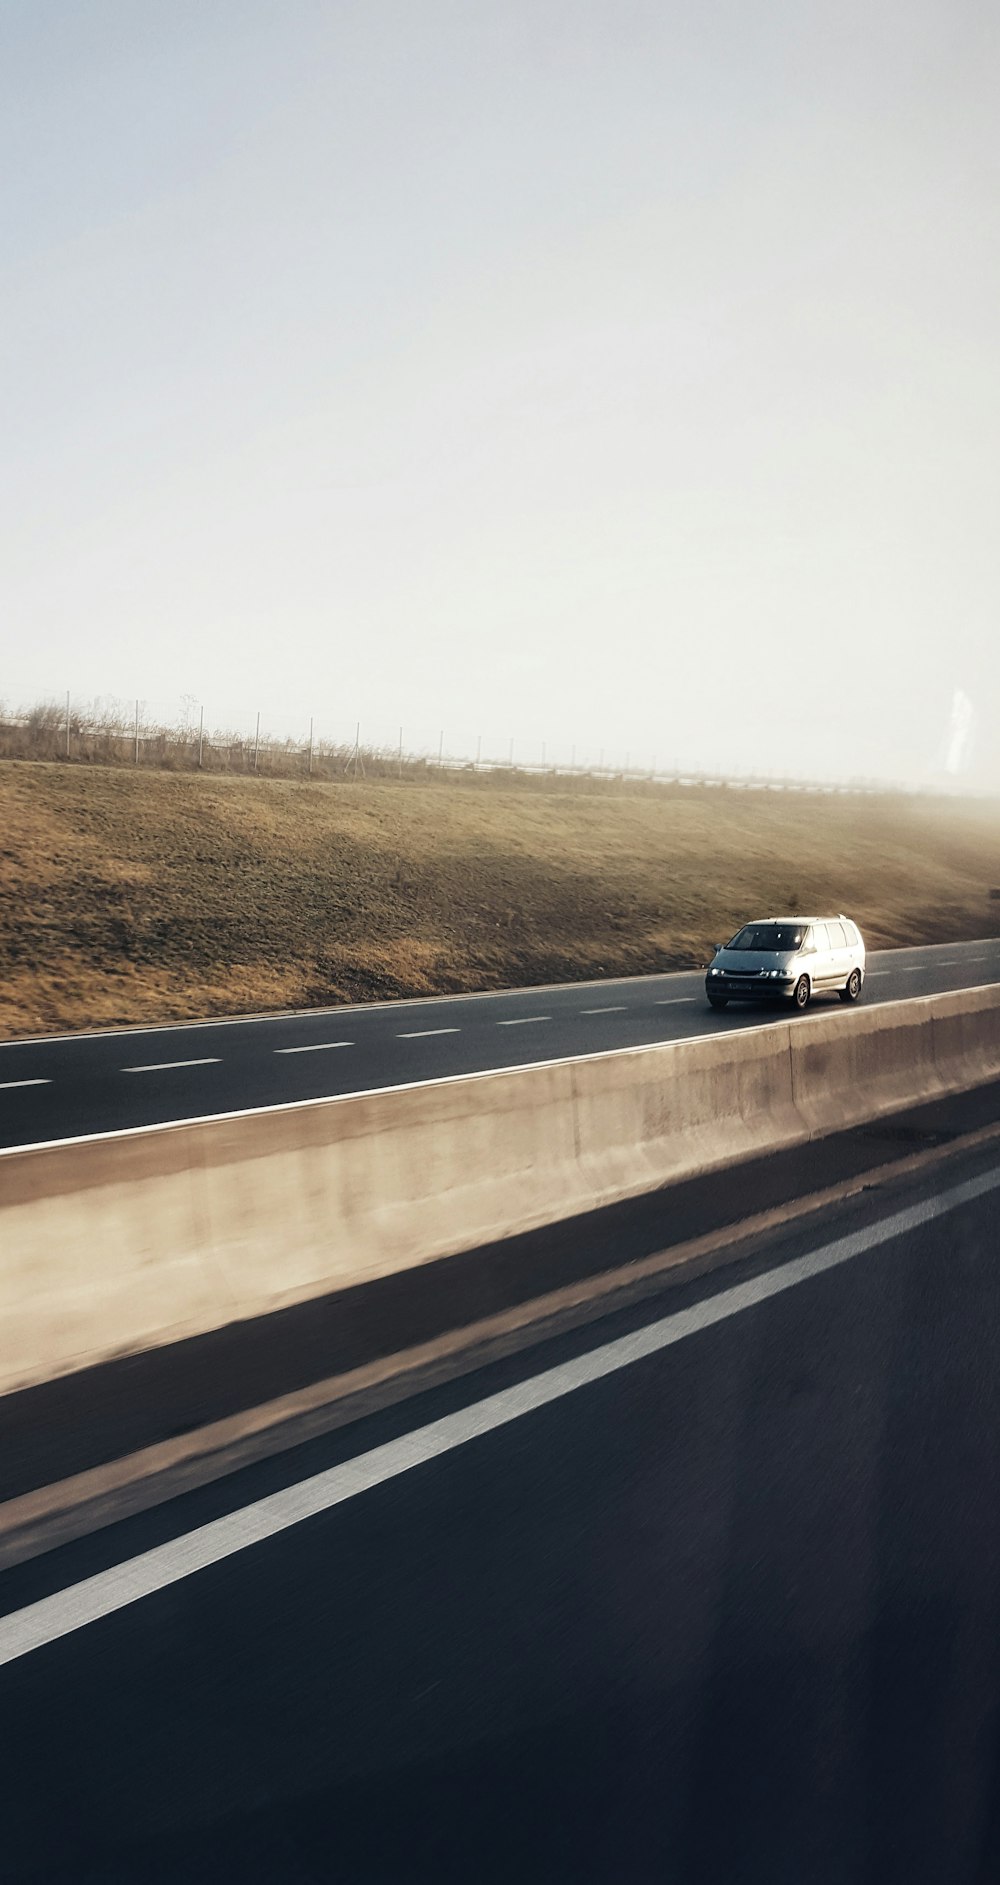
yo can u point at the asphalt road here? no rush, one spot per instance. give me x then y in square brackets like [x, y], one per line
[75, 1085]
[712, 1595]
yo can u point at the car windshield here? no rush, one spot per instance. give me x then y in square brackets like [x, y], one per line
[768, 938]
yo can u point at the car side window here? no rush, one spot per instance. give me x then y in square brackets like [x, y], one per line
[808, 944]
[821, 937]
[838, 936]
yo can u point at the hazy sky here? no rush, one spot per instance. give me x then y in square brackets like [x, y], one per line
[621, 373]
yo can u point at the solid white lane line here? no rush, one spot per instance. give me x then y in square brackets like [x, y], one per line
[522, 1021]
[423, 1034]
[341, 1010]
[622, 1010]
[164, 1066]
[313, 1047]
[5, 1085]
[410, 1086]
[100, 1596]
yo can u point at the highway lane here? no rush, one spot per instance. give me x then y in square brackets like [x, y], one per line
[71, 1086]
[725, 1609]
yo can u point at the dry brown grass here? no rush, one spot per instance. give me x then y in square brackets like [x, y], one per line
[128, 897]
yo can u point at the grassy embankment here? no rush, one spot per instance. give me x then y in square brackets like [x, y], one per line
[128, 897]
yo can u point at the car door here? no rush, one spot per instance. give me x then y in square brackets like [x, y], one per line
[841, 961]
[821, 966]
[855, 946]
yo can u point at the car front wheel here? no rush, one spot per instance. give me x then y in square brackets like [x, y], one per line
[852, 987]
[802, 992]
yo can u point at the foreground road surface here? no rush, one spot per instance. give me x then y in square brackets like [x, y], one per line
[103, 1082]
[707, 1592]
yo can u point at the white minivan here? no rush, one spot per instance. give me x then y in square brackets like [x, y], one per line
[788, 958]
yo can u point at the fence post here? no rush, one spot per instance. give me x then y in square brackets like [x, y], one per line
[67, 723]
[137, 732]
[256, 743]
[479, 750]
[440, 748]
[401, 752]
[201, 739]
[310, 747]
[512, 755]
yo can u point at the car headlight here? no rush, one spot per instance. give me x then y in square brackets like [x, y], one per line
[715, 971]
[774, 972]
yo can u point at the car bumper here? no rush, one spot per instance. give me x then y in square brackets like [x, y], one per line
[726, 989]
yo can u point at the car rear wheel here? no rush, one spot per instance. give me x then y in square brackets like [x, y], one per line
[802, 992]
[717, 1001]
[852, 987]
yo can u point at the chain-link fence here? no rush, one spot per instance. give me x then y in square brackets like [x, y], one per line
[188, 737]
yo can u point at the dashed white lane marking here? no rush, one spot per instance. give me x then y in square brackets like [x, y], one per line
[313, 1047]
[620, 1010]
[676, 1001]
[874, 972]
[108, 1591]
[164, 1066]
[5, 1085]
[522, 1021]
[919, 968]
[977, 958]
[424, 1034]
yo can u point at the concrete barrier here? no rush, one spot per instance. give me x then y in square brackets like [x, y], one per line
[845, 1070]
[119, 1243]
[966, 1035]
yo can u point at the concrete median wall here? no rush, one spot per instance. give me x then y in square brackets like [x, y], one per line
[115, 1244]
